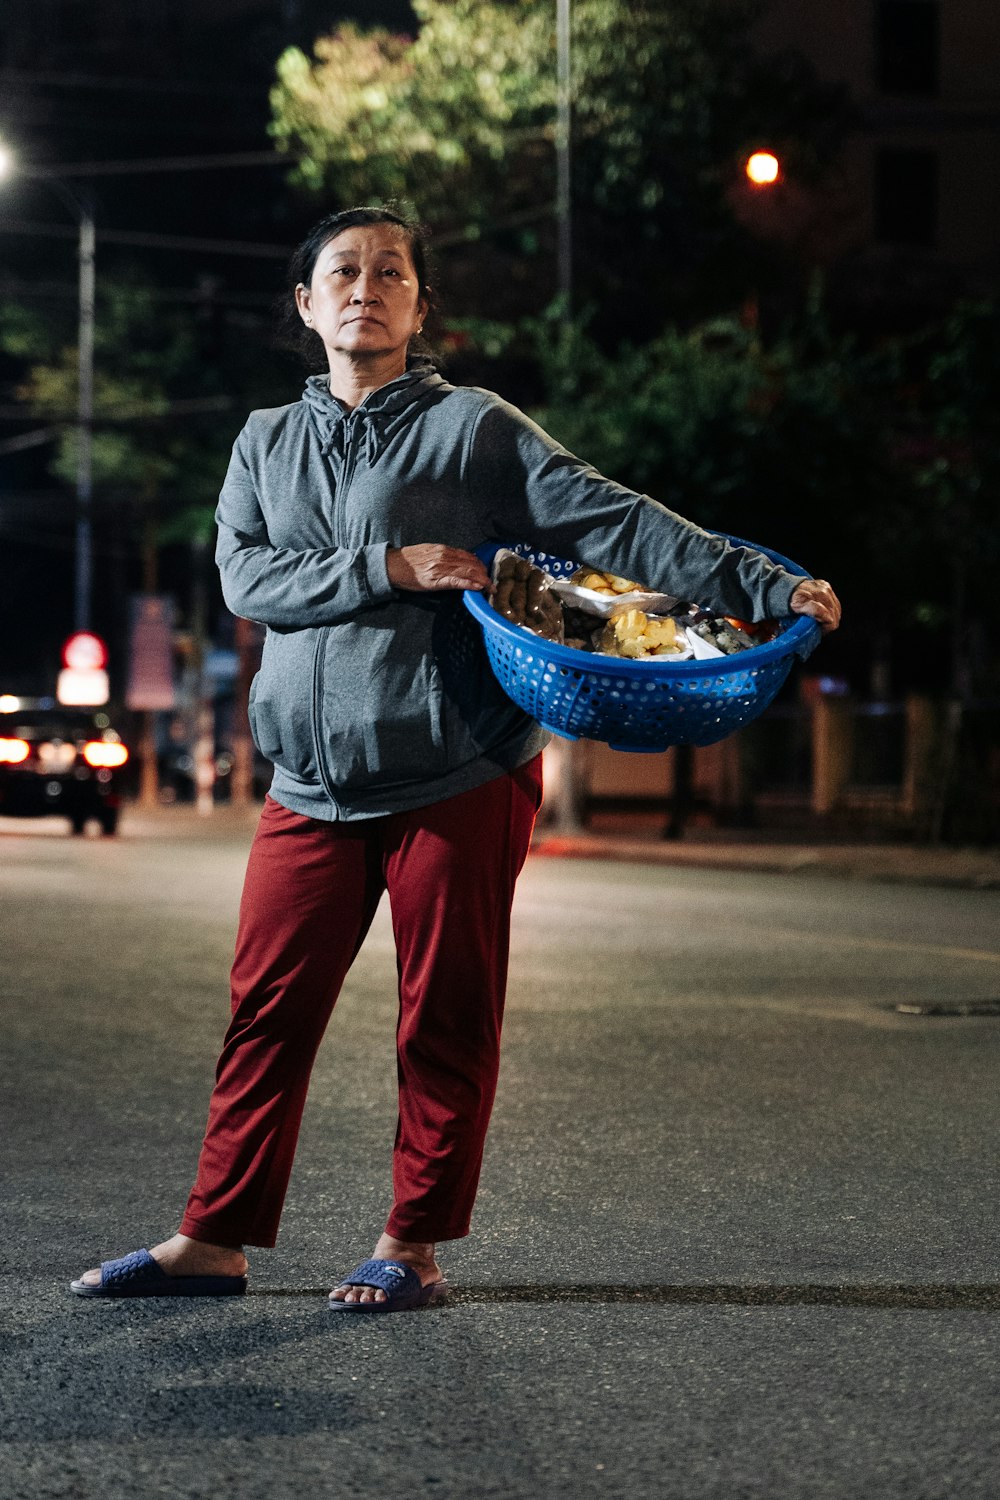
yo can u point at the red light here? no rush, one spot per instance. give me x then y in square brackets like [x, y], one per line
[12, 752]
[104, 753]
[85, 652]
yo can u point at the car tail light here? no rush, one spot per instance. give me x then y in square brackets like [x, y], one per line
[14, 751]
[104, 753]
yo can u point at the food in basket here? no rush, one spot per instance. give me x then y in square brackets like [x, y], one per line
[524, 595]
[720, 633]
[600, 612]
[582, 628]
[603, 583]
[632, 633]
[609, 593]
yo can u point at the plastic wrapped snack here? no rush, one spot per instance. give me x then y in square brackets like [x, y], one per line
[612, 616]
[605, 593]
[525, 595]
[710, 635]
[632, 633]
[603, 583]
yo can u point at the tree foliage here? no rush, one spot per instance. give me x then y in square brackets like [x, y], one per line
[146, 361]
[440, 119]
[781, 442]
[460, 122]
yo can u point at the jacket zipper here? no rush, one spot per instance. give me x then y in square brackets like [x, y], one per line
[347, 475]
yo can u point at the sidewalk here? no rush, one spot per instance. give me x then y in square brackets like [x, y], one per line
[625, 839]
[973, 869]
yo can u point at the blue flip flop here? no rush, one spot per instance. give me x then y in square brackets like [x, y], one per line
[401, 1284]
[139, 1275]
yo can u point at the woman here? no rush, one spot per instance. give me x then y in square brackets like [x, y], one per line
[347, 525]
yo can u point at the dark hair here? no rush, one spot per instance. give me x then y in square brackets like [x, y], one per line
[293, 333]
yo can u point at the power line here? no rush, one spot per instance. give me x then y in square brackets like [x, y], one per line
[139, 412]
[128, 166]
[473, 232]
[121, 85]
[221, 295]
[150, 241]
[30, 440]
[252, 248]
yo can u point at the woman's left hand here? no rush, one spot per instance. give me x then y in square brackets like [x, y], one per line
[815, 597]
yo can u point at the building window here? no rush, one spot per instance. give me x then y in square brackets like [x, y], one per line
[907, 47]
[906, 196]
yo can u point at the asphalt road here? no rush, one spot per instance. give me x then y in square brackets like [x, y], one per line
[737, 1228]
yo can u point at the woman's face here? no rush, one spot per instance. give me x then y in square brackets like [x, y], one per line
[364, 297]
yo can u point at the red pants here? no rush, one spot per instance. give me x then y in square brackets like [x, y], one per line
[310, 895]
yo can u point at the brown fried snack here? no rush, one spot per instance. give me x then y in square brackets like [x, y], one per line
[523, 594]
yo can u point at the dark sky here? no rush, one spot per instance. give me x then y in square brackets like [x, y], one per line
[109, 80]
[99, 80]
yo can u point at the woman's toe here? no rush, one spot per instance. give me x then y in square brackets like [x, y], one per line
[92, 1278]
[348, 1292]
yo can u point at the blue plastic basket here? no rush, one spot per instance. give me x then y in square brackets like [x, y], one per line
[635, 705]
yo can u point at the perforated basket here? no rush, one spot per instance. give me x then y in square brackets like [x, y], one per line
[635, 705]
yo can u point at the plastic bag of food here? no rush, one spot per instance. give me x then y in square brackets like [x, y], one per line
[634, 634]
[605, 593]
[526, 596]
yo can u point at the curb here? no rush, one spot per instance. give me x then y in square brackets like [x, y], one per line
[881, 864]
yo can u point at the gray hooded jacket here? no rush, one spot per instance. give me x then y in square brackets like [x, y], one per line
[373, 700]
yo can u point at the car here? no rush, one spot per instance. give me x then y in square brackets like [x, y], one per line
[59, 760]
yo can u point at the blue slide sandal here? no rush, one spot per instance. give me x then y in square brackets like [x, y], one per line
[401, 1284]
[139, 1275]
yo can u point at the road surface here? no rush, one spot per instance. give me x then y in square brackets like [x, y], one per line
[736, 1235]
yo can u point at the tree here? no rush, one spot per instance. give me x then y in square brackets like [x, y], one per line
[948, 444]
[145, 362]
[155, 459]
[782, 441]
[460, 121]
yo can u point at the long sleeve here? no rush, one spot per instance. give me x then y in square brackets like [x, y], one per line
[535, 490]
[282, 587]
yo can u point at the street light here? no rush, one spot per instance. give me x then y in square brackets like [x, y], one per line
[762, 168]
[81, 205]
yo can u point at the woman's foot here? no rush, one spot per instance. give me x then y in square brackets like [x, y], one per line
[181, 1256]
[419, 1256]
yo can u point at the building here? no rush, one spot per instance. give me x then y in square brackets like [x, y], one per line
[911, 216]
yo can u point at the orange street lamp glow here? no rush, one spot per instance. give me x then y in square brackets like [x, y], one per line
[763, 168]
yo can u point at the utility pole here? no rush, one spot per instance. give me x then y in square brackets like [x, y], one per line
[564, 123]
[563, 753]
[241, 782]
[203, 717]
[84, 570]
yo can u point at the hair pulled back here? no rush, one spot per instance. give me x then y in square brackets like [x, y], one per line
[293, 333]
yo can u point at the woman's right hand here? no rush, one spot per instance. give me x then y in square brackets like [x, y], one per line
[429, 566]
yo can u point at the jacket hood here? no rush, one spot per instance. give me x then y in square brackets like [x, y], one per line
[380, 414]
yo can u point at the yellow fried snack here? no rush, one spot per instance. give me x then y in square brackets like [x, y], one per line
[630, 625]
[661, 635]
[596, 582]
[631, 633]
[603, 583]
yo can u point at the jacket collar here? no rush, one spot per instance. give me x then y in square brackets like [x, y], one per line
[381, 410]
